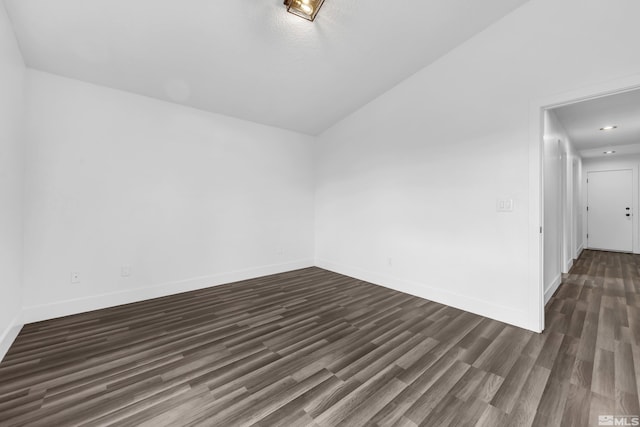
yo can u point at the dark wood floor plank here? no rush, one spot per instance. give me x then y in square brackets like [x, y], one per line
[576, 410]
[524, 411]
[604, 373]
[510, 389]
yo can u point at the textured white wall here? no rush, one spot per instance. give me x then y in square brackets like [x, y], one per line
[12, 71]
[186, 198]
[414, 175]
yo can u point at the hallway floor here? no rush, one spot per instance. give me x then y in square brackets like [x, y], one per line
[595, 319]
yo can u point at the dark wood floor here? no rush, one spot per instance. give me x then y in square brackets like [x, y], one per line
[312, 347]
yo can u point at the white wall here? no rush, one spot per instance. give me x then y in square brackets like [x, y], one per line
[12, 71]
[614, 162]
[562, 213]
[187, 198]
[414, 175]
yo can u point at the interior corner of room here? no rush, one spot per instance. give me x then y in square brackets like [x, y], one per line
[231, 141]
[97, 180]
[238, 214]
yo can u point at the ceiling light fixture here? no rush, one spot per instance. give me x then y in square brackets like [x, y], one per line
[610, 127]
[307, 9]
[609, 152]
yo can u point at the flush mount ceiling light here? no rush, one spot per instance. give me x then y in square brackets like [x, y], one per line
[609, 152]
[307, 9]
[610, 127]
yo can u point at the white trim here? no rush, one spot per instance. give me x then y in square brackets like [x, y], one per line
[619, 164]
[536, 196]
[80, 305]
[536, 218]
[552, 288]
[579, 252]
[9, 336]
[569, 265]
[473, 305]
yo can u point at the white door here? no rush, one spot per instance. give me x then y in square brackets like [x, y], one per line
[609, 210]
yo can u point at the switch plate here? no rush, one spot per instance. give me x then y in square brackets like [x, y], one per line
[75, 277]
[504, 205]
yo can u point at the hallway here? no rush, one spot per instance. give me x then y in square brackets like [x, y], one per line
[594, 321]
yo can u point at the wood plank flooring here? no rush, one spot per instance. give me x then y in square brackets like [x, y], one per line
[314, 348]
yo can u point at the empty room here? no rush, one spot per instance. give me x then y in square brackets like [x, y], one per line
[319, 213]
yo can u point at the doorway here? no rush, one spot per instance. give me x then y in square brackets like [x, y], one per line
[563, 217]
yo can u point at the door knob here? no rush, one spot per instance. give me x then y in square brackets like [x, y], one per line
[628, 208]
[628, 214]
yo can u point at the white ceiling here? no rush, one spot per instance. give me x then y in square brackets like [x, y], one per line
[583, 121]
[248, 58]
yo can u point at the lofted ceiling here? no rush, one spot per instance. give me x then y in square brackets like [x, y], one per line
[583, 121]
[248, 58]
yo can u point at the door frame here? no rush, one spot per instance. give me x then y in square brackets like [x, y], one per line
[577, 226]
[564, 210]
[622, 164]
[537, 108]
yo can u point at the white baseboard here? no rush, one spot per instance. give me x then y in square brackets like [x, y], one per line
[9, 335]
[462, 302]
[568, 265]
[579, 251]
[69, 307]
[552, 288]
[81, 305]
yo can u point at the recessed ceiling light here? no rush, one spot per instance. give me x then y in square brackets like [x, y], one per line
[609, 152]
[610, 127]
